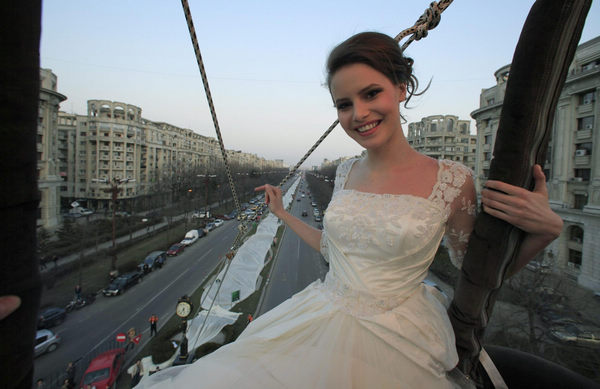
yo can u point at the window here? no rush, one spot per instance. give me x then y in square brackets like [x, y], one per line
[491, 101]
[576, 234]
[488, 140]
[487, 156]
[587, 98]
[586, 123]
[580, 202]
[583, 174]
[574, 259]
[433, 127]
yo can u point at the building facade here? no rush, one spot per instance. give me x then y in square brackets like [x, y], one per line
[444, 137]
[114, 141]
[77, 153]
[572, 163]
[48, 153]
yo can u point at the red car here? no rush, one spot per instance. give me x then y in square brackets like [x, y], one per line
[104, 369]
[175, 249]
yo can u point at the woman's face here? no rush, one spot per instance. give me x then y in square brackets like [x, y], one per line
[367, 104]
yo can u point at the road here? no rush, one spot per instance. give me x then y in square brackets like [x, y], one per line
[297, 264]
[92, 329]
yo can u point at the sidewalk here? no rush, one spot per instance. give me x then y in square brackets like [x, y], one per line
[104, 245]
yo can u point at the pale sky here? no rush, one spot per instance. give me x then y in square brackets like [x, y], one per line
[265, 62]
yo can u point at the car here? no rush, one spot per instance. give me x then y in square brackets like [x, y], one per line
[122, 214]
[570, 331]
[122, 283]
[175, 249]
[218, 222]
[298, 199]
[155, 259]
[102, 372]
[313, 204]
[46, 341]
[190, 237]
[318, 219]
[51, 316]
[304, 213]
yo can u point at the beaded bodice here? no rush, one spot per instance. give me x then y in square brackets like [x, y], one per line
[383, 244]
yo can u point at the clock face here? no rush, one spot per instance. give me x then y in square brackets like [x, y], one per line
[183, 309]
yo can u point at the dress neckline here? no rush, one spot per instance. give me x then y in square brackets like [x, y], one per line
[431, 194]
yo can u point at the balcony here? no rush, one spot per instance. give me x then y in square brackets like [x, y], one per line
[584, 134]
[485, 164]
[582, 160]
[585, 108]
[487, 147]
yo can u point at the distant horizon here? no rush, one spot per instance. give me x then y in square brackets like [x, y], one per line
[265, 63]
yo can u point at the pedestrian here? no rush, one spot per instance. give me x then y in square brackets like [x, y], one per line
[40, 384]
[55, 260]
[77, 292]
[43, 262]
[153, 322]
[250, 318]
[136, 373]
[71, 372]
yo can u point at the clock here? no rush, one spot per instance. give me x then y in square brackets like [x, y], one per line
[184, 307]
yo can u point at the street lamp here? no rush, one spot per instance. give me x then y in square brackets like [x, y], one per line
[114, 190]
[206, 177]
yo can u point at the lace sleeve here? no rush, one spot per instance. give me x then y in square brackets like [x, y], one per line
[341, 173]
[462, 216]
[324, 246]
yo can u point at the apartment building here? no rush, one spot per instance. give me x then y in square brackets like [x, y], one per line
[572, 163]
[76, 153]
[444, 137]
[48, 153]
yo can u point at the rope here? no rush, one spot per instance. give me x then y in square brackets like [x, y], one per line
[190, 23]
[428, 21]
[295, 168]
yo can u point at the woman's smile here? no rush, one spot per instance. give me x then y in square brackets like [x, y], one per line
[368, 128]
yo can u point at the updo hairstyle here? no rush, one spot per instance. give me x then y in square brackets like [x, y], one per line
[378, 51]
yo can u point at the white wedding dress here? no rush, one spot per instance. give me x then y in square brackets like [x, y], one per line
[372, 323]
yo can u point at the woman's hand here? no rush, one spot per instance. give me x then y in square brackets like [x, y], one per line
[527, 210]
[273, 198]
[8, 304]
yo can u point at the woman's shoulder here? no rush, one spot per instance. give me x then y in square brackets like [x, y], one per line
[456, 171]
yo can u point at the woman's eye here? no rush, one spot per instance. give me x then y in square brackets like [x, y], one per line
[372, 93]
[342, 106]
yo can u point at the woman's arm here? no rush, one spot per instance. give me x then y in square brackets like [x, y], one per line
[273, 198]
[526, 210]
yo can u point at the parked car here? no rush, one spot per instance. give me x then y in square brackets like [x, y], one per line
[209, 226]
[318, 219]
[51, 316]
[122, 283]
[155, 259]
[190, 237]
[218, 222]
[573, 332]
[46, 341]
[103, 370]
[175, 249]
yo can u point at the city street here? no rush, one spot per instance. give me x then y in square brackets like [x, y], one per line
[297, 264]
[86, 331]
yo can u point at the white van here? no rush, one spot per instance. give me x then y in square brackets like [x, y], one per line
[190, 237]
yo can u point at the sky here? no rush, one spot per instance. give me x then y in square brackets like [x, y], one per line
[265, 62]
